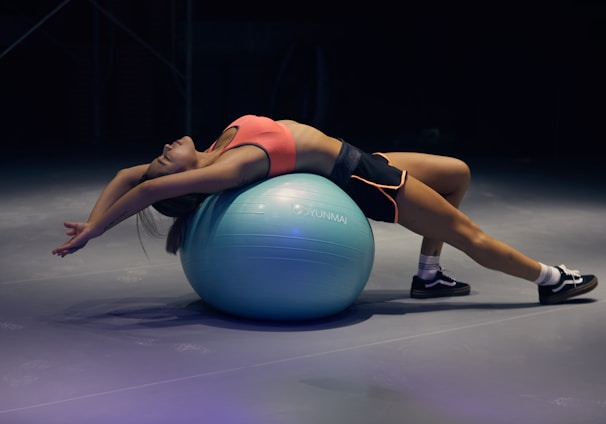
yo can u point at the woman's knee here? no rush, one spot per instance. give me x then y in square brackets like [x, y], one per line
[451, 176]
[461, 173]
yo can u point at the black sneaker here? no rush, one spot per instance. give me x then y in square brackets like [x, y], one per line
[571, 284]
[440, 286]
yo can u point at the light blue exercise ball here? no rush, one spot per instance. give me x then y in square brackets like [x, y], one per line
[292, 247]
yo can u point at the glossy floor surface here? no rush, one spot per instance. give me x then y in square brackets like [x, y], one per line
[110, 335]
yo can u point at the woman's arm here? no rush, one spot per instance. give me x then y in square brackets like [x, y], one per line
[124, 180]
[211, 179]
[115, 205]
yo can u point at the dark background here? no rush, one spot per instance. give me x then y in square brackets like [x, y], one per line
[469, 78]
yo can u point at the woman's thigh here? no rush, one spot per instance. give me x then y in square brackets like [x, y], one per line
[442, 173]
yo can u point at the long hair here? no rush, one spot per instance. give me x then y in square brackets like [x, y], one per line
[179, 208]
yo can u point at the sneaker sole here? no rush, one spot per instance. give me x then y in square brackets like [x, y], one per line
[418, 294]
[558, 298]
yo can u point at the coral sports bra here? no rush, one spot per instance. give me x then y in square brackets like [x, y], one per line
[271, 136]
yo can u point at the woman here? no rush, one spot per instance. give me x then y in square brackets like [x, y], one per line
[418, 191]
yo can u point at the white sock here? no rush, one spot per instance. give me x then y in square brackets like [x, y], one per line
[549, 275]
[428, 267]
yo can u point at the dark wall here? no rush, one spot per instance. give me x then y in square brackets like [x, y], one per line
[487, 78]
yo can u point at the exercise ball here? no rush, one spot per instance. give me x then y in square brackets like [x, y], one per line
[292, 247]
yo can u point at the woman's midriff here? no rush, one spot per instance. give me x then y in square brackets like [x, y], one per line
[316, 152]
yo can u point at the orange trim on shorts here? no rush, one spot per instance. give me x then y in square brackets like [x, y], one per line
[381, 187]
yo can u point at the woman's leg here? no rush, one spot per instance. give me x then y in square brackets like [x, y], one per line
[448, 176]
[427, 213]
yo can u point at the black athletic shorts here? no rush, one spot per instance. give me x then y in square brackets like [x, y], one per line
[370, 181]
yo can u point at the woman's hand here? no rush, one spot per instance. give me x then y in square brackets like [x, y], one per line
[80, 233]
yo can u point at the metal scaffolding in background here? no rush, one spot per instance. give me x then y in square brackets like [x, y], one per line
[184, 76]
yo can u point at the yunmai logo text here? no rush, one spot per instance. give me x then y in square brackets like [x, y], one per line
[318, 213]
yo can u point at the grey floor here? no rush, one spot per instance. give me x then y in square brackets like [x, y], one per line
[109, 335]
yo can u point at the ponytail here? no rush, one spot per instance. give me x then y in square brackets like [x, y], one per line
[181, 209]
[176, 234]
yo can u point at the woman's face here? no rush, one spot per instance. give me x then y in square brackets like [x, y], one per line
[178, 156]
